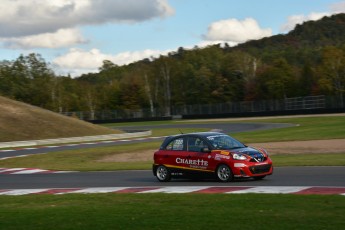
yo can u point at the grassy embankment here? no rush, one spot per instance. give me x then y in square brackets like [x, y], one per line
[311, 128]
[20, 121]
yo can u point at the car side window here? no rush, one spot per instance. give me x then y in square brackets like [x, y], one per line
[176, 145]
[195, 144]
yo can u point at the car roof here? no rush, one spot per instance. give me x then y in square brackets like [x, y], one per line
[203, 134]
[197, 134]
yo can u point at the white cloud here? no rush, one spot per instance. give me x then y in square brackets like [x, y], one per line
[234, 31]
[293, 20]
[338, 7]
[32, 17]
[61, 38]
[299, 19]
[78, 61]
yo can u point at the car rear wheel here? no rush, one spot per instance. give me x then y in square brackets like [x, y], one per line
[163, 173]
[224, 173]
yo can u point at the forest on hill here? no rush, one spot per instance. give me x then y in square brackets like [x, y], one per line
[309, 60]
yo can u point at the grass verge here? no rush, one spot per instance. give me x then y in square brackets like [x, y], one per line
[83, 159]
[308, 128]
[328, 159]
[89, 159]
[172, 211]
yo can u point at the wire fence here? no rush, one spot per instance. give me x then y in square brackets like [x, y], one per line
[287, 104]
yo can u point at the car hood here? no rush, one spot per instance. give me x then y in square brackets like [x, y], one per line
[258, 155]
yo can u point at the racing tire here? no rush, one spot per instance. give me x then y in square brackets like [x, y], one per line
[224, 173]
[163, 174]
[259, 177]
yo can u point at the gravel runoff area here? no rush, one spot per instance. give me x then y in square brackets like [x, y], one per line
[289, 147]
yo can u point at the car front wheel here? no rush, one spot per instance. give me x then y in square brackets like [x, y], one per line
[224, 173]
[163, 173]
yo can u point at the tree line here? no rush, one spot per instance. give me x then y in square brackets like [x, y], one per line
[309, 60]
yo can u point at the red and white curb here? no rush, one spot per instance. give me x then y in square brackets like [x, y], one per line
[185, 189]
[28, 171]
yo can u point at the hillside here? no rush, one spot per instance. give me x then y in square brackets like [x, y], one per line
[309, 36]
[323, 32]
[297, 64]
[20, 121]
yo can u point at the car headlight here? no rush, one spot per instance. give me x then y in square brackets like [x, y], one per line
[238, 156]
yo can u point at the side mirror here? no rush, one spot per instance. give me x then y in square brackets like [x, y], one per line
[205, 150]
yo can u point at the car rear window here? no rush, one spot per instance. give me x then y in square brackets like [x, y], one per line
[176, 144]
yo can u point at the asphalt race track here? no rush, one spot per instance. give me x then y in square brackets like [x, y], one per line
[282, 176]
[223, 127]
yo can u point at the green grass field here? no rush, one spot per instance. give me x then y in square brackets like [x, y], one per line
[88, 159]
[305, 128]
[172, 211]
[180, 211]
[308, 128]
[20, 121]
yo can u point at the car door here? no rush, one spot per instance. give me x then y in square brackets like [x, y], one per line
[200, 160]
[175, 153]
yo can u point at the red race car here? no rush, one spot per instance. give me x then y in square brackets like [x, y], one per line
[211, 153]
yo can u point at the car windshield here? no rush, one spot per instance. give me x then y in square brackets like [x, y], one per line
[224, 142]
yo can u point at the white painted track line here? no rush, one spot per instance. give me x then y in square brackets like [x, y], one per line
[174, 189]
[271, 190]
[99, 190]
[10, 170]
[18, 192]
[31, 171]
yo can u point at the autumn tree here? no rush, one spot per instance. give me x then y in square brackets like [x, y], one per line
[277, 81]
[332, 71]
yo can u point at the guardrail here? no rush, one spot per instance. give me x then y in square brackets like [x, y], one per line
[306, 104]
[74, 139]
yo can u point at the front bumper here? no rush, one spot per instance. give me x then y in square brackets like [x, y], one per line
[250, 169]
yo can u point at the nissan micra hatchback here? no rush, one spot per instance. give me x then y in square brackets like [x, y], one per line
[215, 154]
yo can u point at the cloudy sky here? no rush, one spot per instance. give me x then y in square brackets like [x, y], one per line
[75, 36]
